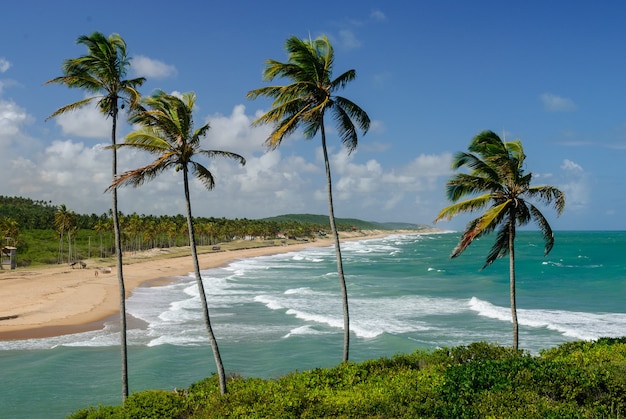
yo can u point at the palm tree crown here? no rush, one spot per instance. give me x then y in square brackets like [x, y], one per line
[167, 130]
[310, 96]
[101, 72]
[497, 179]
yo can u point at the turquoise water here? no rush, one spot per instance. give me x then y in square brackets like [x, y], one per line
[280, 313]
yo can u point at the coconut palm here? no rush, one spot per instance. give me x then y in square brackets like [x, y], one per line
[101, 72]
[304, 103]
[497, 181]
[167, 131]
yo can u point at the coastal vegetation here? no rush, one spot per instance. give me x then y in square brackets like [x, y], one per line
[303, 104]
[574, 380]
[38, 239]
[497, 181]
[167, 131]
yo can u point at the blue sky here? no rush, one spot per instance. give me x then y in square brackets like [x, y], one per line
[431, 75]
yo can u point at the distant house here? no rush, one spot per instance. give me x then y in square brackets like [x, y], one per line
[9, 257]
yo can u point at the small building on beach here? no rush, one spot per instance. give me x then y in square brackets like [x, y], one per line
[9, 257]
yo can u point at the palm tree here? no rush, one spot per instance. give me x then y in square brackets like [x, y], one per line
[167, 131]
[304, 103]
[497, 181]
[65, 221]
[101, 72]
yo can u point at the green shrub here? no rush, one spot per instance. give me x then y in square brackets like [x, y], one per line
[101, 412]
[154, 404]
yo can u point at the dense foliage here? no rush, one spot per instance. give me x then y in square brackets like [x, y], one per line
[574, 380]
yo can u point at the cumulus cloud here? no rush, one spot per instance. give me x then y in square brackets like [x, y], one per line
[235, 133]
[85, 122]
[12, 118]
[554, 103]
[373, 188]
[4, 65]
[147, 67]
[575, 185]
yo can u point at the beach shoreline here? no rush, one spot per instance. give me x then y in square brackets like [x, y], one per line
[58, 300]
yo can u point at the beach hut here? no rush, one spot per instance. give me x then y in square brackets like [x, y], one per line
[9, 257]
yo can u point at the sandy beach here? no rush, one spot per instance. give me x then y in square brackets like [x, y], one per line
[58, 300]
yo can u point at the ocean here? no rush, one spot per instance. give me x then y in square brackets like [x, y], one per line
[276, 314]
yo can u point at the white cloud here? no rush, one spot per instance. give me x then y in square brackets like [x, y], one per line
[12, 118]
[235, 133]
[4, 65]
[575, 185]
[373, 189]
[86, 122]
[570, 166]
[65, 172]
[554, 103]
[147, 67]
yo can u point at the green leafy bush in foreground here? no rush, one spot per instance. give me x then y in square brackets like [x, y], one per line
[574, 380]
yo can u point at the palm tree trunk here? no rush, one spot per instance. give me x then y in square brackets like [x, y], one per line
[60, 254]
[69, 246]
[333, 228]
[120, 273]
[512, 285]
[205, 307]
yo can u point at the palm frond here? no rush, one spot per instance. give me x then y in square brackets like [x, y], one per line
[203, 174]
[138, 177]
[480, 226]
[470, 205]
[148, 139]
[345, 128]
[479, 168]
[71, 107]
[500, 247]
[226, 154]
[544, 226]
[548, 195]
[285, 127]
[343, 80]
[354, 111]
[462, 185]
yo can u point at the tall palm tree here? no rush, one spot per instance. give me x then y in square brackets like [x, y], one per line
[304, 103]
[101, 71]
[167, 131]
[496, 181]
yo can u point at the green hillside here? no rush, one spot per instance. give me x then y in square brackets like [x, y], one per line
[360, 224]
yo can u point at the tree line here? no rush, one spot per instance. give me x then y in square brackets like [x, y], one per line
[139, 231]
